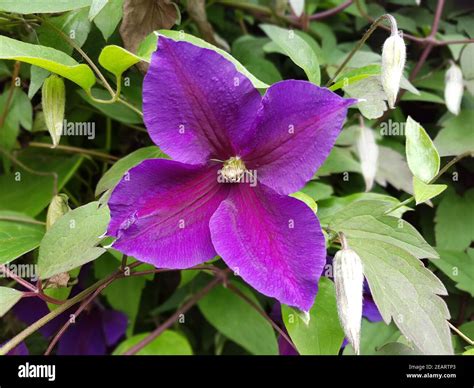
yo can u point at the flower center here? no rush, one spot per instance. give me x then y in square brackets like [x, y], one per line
[233, 170]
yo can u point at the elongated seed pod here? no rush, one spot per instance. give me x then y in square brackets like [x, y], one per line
[393, 62]
[349, 279]
[54, 102]
[453, 89]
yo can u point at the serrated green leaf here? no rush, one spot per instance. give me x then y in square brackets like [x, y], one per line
[238, 321]
[18, 237]
[48, 58]
[42, 6]
[403, 289]
[323, 333]
[72, 240]
[422, 156]
[117, 171]
[169, 343]
[8, 298]
[299, 51]
[424, 192]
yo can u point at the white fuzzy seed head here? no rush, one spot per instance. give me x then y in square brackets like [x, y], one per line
[453, 89]
[349, 279]
[393, 62]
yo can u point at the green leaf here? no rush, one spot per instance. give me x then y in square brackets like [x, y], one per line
[459, 267]
[403, 289]
[238, 321]
[115, 111]
[42, 6]
[299, 51]
[48, 58]
[339, 160]
[424, 192]
[28, 193]
[72, 240]
[323, 333]
[109, 17]
[454, 227]
[355, 75]
[317, 190]
[117, 171]
[96, 7]
[8, 298]
[372, 97]
[456, 136]
[396, 349]
[167, 344]
[373, 336]
[467, 62]
[116, 59]
[150, 43]
[124, 294]
[423, 96]
[422, 156]
[18, 237]
[393, 169]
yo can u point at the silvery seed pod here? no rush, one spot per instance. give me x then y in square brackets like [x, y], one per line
[57, 208]
[453, 89]
[393, 61]
[54, 102]
[349, 279]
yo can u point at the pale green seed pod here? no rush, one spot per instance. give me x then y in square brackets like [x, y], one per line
[349, 280]
[393, 62]
[57, 208]
[54, 103]
[453, 89]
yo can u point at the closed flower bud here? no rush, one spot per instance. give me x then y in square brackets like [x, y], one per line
[453, 89]
[368, 152]
[57, 208]
[393, 61]
[54, 102]
[349, 279]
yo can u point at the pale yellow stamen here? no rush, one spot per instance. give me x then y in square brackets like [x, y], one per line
[233, 169]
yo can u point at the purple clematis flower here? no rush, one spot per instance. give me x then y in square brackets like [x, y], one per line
[95, 330]
[236, 157]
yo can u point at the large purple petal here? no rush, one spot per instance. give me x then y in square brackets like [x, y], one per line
[274, 242]
[295, 130]
[160, 212]
[196, 104]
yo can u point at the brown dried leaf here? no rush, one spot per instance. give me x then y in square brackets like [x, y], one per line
[142, 17]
